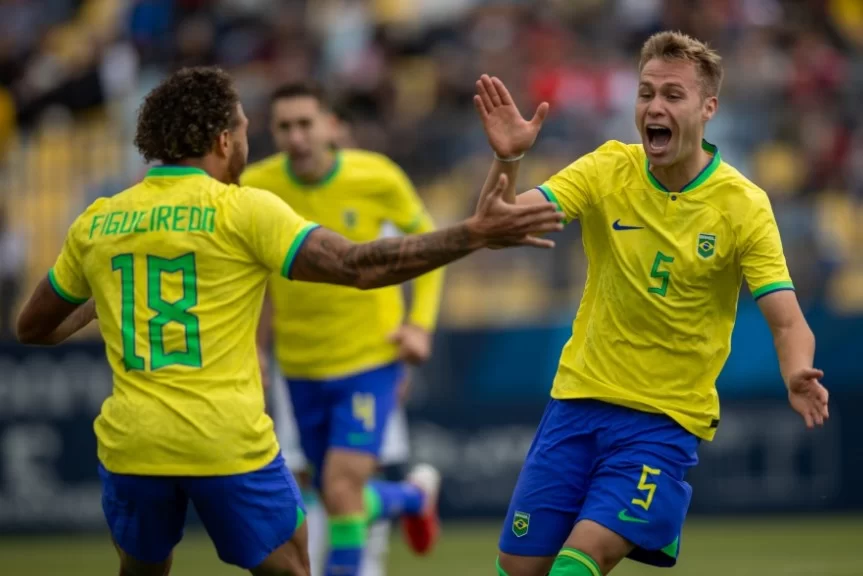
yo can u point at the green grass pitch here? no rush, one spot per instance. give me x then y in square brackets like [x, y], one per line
[728, 547]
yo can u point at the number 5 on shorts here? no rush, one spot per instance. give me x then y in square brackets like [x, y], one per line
[646, 473]
[364, 409]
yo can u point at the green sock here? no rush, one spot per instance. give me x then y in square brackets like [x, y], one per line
[347, 539]
[572, 562]
[372, 504]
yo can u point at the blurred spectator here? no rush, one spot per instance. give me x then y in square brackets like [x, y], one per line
[405, 71]
[12, 265]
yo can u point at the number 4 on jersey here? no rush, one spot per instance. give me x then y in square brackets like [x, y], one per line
[166, 312]
[664, 275]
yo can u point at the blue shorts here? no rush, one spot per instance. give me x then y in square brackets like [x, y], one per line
[247, 516]
[349, 413]
[618, 467]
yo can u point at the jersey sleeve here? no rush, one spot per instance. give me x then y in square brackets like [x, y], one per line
[271, 230]
[571, 188]
[762, 258]
[67, 275]
[405, 209]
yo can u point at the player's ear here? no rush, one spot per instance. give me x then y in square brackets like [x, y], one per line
[223, 144]
[710, 107]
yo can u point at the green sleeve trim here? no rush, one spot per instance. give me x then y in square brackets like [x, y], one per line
[299, 239]
[52, 279]
[549, 195]
[773, 287]
[348, 531]
[580, 557]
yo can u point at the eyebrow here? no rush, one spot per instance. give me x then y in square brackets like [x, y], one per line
[643, 84]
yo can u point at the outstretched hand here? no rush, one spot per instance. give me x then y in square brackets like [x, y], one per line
[509, 134]
[808, 396]
[500, 224]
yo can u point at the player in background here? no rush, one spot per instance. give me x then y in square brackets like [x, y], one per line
[342, 351]
[175, 268]
[395, 452]
[670, 232]
[395, 448]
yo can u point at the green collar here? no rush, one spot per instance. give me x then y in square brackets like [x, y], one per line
[168, 171]
[328, 177]
[702, 177]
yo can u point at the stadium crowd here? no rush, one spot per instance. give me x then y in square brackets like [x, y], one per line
[72, 73]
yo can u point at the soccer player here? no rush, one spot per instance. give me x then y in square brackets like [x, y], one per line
[395, 451]
[342, 351]
[175, 268]
[670, 232]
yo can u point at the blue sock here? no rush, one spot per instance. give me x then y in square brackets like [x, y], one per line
[392, 499]
[347, 539]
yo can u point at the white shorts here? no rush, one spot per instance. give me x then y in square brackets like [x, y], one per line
[394, 450]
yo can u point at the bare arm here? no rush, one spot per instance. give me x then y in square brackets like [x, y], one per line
[47, 319]
[327, 257]
[795, 348]
[510, 169]
[331, 258]
[794, 341]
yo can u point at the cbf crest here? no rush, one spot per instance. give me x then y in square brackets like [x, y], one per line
[706, 245]
[350, 218]
[520, 524]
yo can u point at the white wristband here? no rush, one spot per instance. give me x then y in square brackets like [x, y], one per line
[513, 159]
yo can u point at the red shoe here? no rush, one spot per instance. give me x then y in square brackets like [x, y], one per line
[422, 530]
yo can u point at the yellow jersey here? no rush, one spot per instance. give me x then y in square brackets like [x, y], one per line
[665, 268]
[326, 331]
[178, 265]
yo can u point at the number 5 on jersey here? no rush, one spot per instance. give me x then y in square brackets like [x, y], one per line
[663, 275]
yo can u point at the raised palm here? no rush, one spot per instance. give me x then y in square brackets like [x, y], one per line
[509, 134]
[808, 396]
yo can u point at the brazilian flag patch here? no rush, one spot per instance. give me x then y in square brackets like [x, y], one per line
[706, 245]
[520, 524]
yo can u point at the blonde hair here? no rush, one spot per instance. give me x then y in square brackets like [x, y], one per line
[680, 46]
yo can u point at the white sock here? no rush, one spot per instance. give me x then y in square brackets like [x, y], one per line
[377, 546]
[316, 518]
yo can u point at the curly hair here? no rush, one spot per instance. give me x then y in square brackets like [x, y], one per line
[182, 117]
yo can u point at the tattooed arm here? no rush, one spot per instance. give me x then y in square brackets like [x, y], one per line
[327, 257]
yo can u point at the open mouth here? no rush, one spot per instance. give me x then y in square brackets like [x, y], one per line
[658, 137]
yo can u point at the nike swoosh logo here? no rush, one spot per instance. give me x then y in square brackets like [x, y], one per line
[618, 226]
[624, 516]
